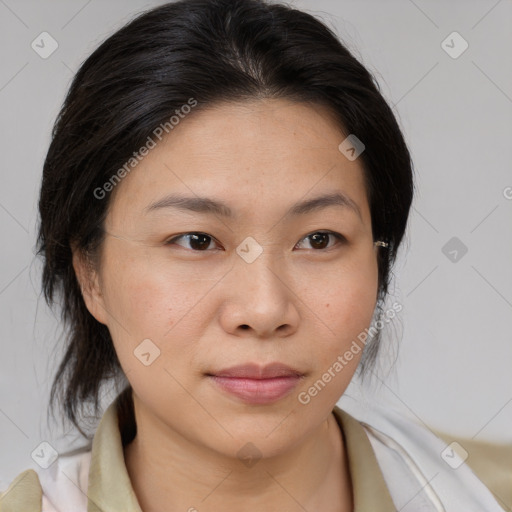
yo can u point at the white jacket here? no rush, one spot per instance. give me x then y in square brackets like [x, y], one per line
[421, 472]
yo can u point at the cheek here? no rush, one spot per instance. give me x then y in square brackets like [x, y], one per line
[343, 302]
[344, 296]
[146, 301]
[151, 325]
[148, 296]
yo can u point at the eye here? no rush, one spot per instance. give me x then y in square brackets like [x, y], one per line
[320, 239]
[198, 241]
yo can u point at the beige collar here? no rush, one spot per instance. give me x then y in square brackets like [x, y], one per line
[110, 487]
[368, 485]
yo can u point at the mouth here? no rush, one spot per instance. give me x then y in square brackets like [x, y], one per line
[254, 384]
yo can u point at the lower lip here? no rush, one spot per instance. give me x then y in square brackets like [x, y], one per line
[258, 391]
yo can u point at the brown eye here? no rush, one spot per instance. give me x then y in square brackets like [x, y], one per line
[320, 239]
[198, 241]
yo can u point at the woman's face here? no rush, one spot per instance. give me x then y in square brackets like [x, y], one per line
[259, 286]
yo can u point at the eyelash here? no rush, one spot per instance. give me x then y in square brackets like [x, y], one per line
[341, 239]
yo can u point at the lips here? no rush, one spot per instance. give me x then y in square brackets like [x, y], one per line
[257, 385]
[254, 371]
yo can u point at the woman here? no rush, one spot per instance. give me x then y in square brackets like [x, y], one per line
[222, 201]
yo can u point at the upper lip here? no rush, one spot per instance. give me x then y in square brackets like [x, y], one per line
[255, 371]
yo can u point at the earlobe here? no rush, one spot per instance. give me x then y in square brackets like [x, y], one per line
[88, 280]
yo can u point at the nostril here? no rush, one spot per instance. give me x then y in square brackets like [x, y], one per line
[244, 326]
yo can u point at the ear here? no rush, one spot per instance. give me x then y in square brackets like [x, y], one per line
[90, 286]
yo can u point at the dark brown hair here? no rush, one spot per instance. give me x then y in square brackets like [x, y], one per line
[213, 51]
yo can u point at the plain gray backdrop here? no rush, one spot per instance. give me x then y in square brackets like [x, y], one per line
[453, 277]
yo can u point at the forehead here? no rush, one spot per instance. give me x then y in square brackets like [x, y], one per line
[254, 156]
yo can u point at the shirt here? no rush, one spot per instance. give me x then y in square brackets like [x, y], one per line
[387, 474]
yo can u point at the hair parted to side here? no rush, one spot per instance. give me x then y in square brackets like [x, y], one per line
[213, 51]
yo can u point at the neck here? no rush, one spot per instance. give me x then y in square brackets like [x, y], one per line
[168, 472]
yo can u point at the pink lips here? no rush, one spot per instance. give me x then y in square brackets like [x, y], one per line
[258, 385]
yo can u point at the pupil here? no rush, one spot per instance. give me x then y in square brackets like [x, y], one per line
[315, 237]
[196, 245]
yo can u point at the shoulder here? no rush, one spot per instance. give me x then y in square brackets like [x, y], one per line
[62, 485]
[491, 462]
[23, 493]
[408, 451]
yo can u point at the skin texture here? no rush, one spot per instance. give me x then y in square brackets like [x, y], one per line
[301, 305]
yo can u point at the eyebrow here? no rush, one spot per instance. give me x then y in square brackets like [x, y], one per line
[210, 206]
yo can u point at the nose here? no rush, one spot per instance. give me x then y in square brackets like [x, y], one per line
[258, 300]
